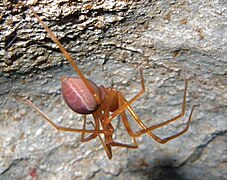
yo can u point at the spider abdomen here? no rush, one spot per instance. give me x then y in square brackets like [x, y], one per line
[77, 96]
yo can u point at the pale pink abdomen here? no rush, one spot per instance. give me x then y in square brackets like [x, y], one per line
[78, 97]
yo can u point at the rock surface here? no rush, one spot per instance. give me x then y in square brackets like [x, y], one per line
[109, 41]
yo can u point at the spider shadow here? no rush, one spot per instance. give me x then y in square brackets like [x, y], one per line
[166, 169]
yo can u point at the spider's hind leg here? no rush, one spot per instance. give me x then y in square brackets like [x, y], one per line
[148, 130]
[127, 127]
[91, 136]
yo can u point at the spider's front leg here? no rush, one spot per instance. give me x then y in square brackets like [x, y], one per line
[59, 128]
[148, 130]
[164, 140]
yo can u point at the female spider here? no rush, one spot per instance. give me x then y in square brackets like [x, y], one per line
[84, 97]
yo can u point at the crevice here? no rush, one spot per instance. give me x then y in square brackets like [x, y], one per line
[15, 162]
[197, 153]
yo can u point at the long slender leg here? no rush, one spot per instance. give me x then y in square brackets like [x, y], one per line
[128, 128]
[82, 139]
[124, 117]
[108, 137]
[106, 147]
[135, 146]
[128, 103]
[166, 122]
[130, 132]
[68, 57]
[149, 129]
[139, 122]
[138, 133]
[96, 127]
[91, 136]
[59, 128]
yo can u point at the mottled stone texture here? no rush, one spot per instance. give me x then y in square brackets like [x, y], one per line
[109, 40]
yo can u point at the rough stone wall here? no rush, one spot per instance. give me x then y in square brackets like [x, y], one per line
[109, 41]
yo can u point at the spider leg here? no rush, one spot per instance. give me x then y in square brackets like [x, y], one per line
[108, 138]
[128, 103]
[91, 136]
[68, 57]
[127, 127]
[59, 128]
[106, 147]
[135, 146]
[139, 122]
[162, 141]
[82, 139]
[148, 130]
[101, 114]
[129, 130]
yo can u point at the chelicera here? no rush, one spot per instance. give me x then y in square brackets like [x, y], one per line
[83, 96]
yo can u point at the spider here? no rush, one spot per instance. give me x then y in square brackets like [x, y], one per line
[83, 96]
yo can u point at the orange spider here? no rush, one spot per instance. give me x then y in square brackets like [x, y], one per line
[84, 97]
